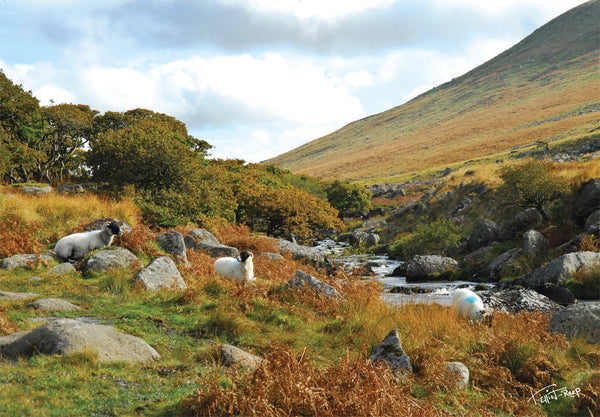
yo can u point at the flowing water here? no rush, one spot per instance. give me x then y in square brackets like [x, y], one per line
[397, 290]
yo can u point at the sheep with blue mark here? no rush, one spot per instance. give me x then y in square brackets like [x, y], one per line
[240, 269]
[76, 246]
[468, 304]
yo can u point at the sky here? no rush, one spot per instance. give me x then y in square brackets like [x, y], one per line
[255, 78]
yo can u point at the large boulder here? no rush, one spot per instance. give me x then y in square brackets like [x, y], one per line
[507, 264]
[360, 237]
[300, 252]
[515, 300]
[110, 258]
[26, 261]
[203, 241]
[31, 189]
[560, 269]
[592, 224]
[301, 280]
[534, 243]
[579, 320]
[587, 201]
[161, 273]
[65, 336]
[173, 244]
[390, 351]
[524, 220]
[484, 233]
[430, 267]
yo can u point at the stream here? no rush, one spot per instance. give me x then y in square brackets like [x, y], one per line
[397, 290]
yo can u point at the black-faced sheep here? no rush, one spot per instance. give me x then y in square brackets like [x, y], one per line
[78, 245]
[241, 269]
[468, 304]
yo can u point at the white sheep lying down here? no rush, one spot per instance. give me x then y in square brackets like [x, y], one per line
[78, 245]
[240, 269]
[468, 304]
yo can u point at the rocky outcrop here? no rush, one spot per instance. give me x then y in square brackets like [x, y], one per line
[579, 320]
[391, 353]
[303, 253]
[231, 356]
[26, 261]
[65, 336]
[516, 300]
[173, 244]
[160, 274]
[430, 267]
[301, 280]
[203, 241]
[113, 258]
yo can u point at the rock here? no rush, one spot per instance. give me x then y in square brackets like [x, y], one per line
[111, 258]
[97, 225]
[53, 304]
[300, 252]
[64, 268]
[65, 336]
[534, 243]
[203, 240]
[36, 190]
[592, 224]
[484, 233]
[359, 237]
[587, 201]
[30, 261]
[430, 267]
[161, 273]
[8, 296]
[399, 271]
[556, 293]
[272, 256]
[515, 300]
[390, 351]
[173, 244]
[504, 265]
[459, 369]
[477, 257]
[578, 320]
[70, 188]
[231, 355]
[524, 220]
[560, 269]
[301, 280]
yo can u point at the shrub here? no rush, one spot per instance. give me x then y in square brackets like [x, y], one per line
[585, 283]
[429, 239]
[346, 196]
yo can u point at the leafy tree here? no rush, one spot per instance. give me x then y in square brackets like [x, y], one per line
[346, 196]
[533, 183]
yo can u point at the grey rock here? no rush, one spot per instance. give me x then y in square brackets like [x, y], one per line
[173, 244]
[301, 280]
[504, 265]
[70, 188]
[53, 304]
[9, 296]
[556, 293]
[578, 320]
[204, 241]
[161, 273]
[65, 336]
[428, 267]
[559, 270]
[484, 233]
[459, 369]
[477, 257]
[534, 243]
[37, 190]
[112, 258]
[270, 255]
[515, 300]
[390, 351]
[26, 261]
[97, 225]
[587, 201]
[524, 220]
[592, 224]
[231, 355]
[64, 268]
[300, 252]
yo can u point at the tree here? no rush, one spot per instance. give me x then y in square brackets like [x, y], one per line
[532, 183]
[346, 196]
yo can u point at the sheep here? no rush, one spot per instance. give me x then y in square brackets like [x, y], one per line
[240, 269]
[76, 246]
[468, 304]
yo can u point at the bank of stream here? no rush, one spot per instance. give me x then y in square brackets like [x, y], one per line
[381, 268]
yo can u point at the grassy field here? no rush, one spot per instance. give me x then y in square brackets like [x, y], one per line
[316, 348]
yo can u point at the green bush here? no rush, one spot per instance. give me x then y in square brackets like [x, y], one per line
[428, 239]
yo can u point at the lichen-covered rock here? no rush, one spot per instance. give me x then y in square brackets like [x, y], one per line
[300, 252]
[559, 270]
[578, 320]
[390, 351]
[173, 243]
[53, 304]
[301, 280]
[65, 268]
[430, 267]
[231, 355]
[111, 258]
[462, 372]
[160, 274]
[515, 300]
[587, 201]
[533, 243]
[203, 241]
[26, 261]
[484, 233]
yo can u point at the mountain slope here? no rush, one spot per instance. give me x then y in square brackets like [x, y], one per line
[544, 88]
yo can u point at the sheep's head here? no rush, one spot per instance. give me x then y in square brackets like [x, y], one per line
[114, 228]
[244, 255]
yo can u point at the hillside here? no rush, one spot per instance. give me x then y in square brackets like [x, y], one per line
[545, 88]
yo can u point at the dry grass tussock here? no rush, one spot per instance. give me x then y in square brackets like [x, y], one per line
[29, 224]
[7, 325]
